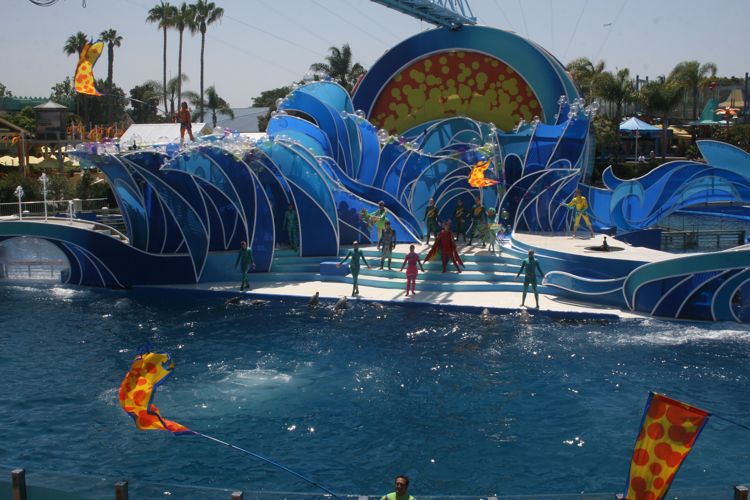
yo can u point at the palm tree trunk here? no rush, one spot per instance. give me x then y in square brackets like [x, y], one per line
[664, 135]
[179, 73]
[203, 47]
[165, 69]
[110, 62]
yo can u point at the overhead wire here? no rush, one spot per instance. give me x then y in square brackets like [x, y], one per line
[376, 23]
[523, 17]
[575, 29]
[337, 16]
[614, 22]
[272, 35]
[507, 19]
[290, 19]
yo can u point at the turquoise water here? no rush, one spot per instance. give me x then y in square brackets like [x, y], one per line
[526, 405]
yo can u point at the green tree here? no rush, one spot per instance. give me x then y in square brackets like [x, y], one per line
[267, 99]
[340, 68]
[205, 14]
[660, 98]
[75, 43]
[4, 92]
[112, 39]
[26, 118]
[63, 92]
[172, 89]
[164, 16]
[183, 19]
[586, 75]
[692, 76]
[145, 102]
[216, 104]
[617, 89]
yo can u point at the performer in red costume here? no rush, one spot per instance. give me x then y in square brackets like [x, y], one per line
[447, 247]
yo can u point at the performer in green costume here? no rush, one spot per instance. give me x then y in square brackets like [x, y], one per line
[356, 255]
[459, 215]
[244, 260]
[531, 265]
[379, 218]
[477, 218]
[431, 220]
[291, 224]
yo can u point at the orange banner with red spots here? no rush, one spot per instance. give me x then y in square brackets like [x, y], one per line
[477, 178]
[668, 431]
[84, 79]
[138, 389]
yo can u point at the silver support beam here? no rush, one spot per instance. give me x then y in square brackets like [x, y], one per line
[451, 14]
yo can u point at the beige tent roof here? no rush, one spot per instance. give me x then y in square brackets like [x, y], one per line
[735, 100]
[159, 133]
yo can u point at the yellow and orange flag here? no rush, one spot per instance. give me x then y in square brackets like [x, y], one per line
[477, 178]
[669, 429]
[84, 80]
[138, 388]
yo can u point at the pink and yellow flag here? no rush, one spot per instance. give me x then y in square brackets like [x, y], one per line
[669, 429]
[84, 80]
[477, 178]
[138, 389]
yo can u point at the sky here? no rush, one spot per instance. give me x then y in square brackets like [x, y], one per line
[265, 44]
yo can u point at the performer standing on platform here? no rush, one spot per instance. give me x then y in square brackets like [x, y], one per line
[447, 247]
[356, 255]
[244, 260]
[459, 215]
[531, 265]
[386, 244]
[580, 205]
[431, 220]
[477, 218]
[411, 261]
[379, 218]
[292, 227]
[185, 119]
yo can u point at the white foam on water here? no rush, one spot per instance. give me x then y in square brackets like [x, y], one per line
[65, 293]
[676, 334]
[258, 378]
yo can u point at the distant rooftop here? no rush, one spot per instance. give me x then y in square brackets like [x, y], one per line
[245, 119]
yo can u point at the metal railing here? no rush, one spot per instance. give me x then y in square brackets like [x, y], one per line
[36, 208]
[33, 270]
[57, 485]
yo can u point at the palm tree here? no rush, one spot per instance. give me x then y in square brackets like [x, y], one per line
[692, 75]
[340, 67]
[205, 14]
[164, 15]
[215, 103]
[660, 98]
[617, 89]
[112, 39]
[75, 43]
[586, 75]
[183, 19]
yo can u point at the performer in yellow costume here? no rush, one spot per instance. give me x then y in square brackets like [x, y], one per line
[581, 205]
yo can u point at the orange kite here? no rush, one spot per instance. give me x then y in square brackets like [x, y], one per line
[477, 178]
[84, 80]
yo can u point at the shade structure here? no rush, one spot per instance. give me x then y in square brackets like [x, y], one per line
[633, 125]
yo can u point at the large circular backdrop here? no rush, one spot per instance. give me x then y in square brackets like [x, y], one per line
[484, 73]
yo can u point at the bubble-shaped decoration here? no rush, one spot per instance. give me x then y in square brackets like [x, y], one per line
[308, 77]
[344, 114]
[360, 114]
[382, 136]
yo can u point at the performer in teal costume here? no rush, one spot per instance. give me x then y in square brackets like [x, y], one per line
[531, 265]
[356, 255]
[291, 225]
[244, 260]
[459, 216]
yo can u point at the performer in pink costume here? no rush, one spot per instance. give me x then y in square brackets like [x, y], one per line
[411, 260]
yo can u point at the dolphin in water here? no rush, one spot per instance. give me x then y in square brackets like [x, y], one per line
[314, 300]
[486, 317]
[341, 305]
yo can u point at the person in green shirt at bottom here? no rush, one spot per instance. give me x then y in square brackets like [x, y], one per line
[356, 255]
[401, 493]
[530, 264]
[245, 260]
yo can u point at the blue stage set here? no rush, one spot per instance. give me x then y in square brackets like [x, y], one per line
[429, 110]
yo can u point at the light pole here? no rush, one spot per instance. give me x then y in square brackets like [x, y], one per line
[44, 179]
[19, 194]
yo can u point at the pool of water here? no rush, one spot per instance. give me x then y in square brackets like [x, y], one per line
[524, 405]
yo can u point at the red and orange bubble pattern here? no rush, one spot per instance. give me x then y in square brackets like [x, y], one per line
[666, 437]
[455, 83]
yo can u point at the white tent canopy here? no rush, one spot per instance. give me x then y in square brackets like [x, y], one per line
[159, 133]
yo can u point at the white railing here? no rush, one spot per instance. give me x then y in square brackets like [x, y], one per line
[54, 207]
